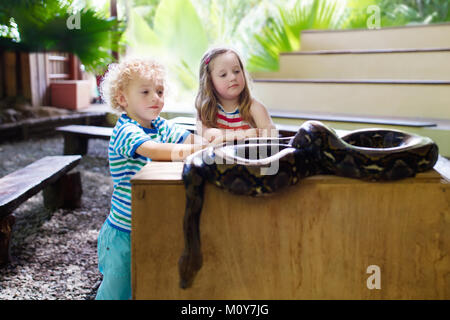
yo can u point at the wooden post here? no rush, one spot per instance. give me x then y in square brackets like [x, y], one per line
[64, 193]
[2, 81]
[35, 101]
[38, 79]
[25, 75]
[113, 12]
[46, 79]
[74, 67]
[74, 144]
[6, 224]
[10, 73]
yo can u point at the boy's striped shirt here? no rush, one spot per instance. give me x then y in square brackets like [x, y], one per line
[124, 162]
[230, 120]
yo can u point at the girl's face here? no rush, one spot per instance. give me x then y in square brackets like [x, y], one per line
[227, 76]
[143, 100]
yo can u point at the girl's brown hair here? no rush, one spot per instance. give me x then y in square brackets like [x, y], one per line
[207, 99]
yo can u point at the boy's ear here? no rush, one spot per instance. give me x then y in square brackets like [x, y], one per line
[121, 100]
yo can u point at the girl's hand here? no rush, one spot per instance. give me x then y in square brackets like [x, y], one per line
[212, 134]
[218, 140]
[252, 133]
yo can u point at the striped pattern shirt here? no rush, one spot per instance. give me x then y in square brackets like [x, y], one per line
[230, 120]
[124, 162]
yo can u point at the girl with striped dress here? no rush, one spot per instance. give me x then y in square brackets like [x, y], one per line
[225, 108]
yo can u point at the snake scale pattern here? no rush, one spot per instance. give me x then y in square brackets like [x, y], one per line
[244, 169]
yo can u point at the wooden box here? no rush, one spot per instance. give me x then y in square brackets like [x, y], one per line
[71, 94]
[324, 238]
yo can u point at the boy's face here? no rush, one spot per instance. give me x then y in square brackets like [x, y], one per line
[143, 100]
[227, 76]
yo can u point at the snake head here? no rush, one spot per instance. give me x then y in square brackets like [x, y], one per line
[300, 139]
[311, 134]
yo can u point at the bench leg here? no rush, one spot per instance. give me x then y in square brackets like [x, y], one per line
[64, 193]
[6, 224]
[74, 144]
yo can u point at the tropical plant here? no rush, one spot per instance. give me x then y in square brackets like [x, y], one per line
[398, 12]
[146, 9]
[177, 38]
[42, 26]
[223, 19]
[282, 32]
[234, 22]
[403, 12]
[178, 31]
[357, 13]
[200, 23]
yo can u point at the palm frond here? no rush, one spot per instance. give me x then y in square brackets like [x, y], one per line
[282, 33]
[43, 27]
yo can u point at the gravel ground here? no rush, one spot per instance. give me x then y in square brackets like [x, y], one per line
[55, 252]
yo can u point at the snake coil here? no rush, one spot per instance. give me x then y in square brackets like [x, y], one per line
[258, 167]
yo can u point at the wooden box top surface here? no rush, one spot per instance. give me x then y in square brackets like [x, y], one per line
[160, 172]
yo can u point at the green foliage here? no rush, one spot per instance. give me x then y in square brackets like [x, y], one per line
[181, 31]
[177, 38]
[403, 12]
[223, 19]
[282, 32]
[398, 12]
[42, 26]
[147, 9]
[356, 13]
[141, 39]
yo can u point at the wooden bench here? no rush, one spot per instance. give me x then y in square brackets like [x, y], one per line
[49, 174]
[76, 137]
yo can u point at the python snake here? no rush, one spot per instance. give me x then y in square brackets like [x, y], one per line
[256, 168]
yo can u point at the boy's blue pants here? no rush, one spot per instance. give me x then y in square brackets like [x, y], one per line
[114, 262]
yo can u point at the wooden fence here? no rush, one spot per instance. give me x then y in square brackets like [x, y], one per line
[30, 74]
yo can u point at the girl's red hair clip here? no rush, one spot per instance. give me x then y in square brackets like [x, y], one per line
[207, 61]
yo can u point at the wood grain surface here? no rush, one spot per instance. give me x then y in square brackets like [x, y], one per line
[26, 182]
[314, 240]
